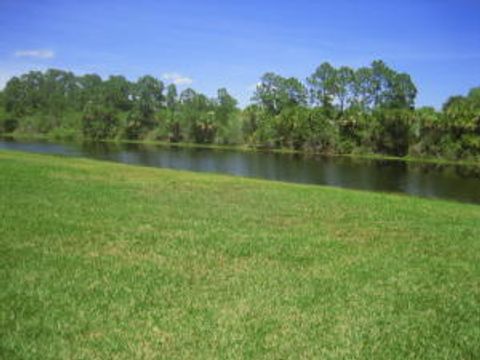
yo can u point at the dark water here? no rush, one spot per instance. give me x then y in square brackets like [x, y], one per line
[454, 182]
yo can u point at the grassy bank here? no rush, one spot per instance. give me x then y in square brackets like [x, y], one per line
[102, 260]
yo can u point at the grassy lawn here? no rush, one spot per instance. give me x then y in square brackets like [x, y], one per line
[102, 260]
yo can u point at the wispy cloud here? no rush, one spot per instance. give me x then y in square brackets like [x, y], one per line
[36, 53]
[177, 79]
[254, 87]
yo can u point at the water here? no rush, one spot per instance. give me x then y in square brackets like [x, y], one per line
[454, 182]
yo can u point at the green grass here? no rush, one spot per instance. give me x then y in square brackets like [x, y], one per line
[102, 260]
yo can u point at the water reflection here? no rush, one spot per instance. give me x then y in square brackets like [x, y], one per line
[457, 182]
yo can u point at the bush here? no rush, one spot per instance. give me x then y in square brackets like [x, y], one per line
[157, 134]
[64, 134]
[99, 123]
[390, 131]
[9, 125]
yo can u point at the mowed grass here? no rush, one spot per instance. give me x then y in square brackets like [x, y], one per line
[101, 260]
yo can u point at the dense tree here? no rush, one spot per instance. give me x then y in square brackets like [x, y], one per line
[172, 120]
[291, 127]
[363, 89]
[148, 95]
[368, 109]
[15, 95]
[323, 85]
[390, 131]
[323, 132]
[197, 115]
[226, 117]
[275, 93]
[250, 119]
[427, 131]
[147, 98]
[367, 88]
[99, 123]
[89, 87]
[344, 79]
[118, 93]
[462, 121]
[172, 97]
[403, 92]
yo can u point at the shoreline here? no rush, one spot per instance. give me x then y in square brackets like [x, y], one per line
[246, 148]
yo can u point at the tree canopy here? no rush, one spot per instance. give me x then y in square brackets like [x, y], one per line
[369, 109]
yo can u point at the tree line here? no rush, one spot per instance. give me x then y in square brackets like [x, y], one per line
[335, 110]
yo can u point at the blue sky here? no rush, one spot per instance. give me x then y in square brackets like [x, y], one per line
[213, 44]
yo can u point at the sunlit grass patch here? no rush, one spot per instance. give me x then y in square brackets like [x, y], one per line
[102, 260]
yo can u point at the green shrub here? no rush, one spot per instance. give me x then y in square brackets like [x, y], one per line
[99, 123]
[8, 125]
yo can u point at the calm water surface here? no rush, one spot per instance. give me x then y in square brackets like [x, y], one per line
[454, 182]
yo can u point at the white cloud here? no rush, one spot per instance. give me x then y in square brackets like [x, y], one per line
[38, 53]
[177, 79]
[254, 87]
